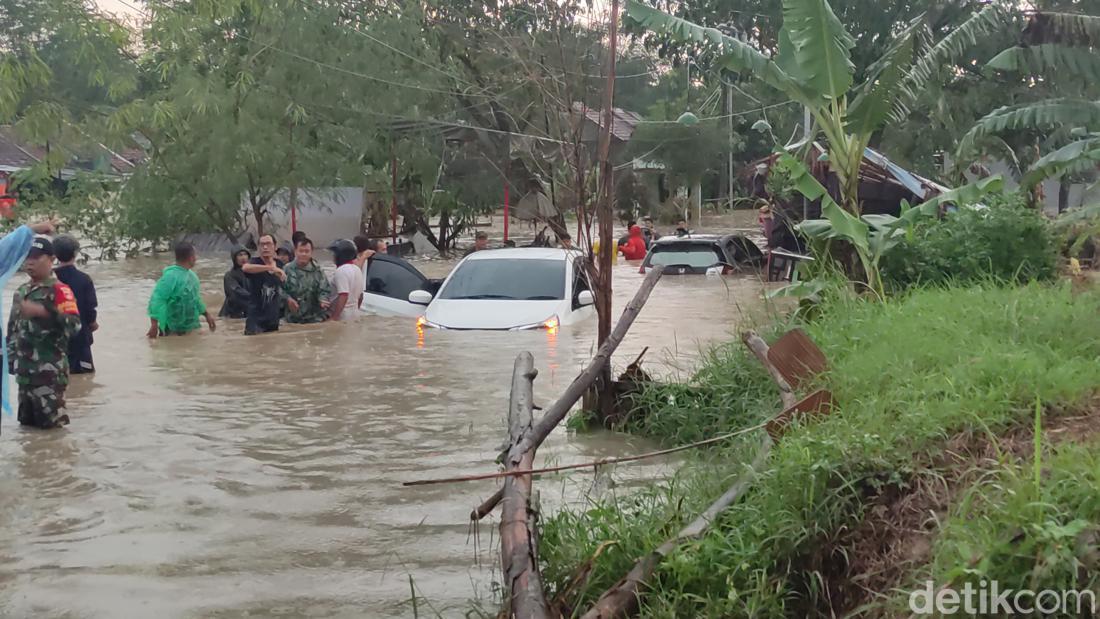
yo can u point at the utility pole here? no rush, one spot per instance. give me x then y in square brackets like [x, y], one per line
[605, 213]
[729, 146]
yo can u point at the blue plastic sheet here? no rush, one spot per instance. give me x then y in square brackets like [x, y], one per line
[13, 250]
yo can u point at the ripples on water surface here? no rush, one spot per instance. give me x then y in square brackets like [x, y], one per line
[223, 476]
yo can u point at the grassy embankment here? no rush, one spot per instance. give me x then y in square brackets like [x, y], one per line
[926, 471]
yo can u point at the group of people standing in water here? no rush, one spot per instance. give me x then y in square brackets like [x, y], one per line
[265, 289]
[53, 315]
[50, 325]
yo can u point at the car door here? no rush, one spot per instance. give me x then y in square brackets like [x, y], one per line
[579, 275]
[388, 284]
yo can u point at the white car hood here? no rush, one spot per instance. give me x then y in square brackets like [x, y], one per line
[488, 314]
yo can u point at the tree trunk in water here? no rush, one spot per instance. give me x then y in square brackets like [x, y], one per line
[605, 212]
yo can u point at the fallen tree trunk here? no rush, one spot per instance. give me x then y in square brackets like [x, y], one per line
[621, 600]
[518, 545]
[554, 415]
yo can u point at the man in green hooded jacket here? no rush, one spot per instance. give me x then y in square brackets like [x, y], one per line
[176, 305]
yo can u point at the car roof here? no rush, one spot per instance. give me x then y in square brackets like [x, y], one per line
[524, 253]
[696, 238]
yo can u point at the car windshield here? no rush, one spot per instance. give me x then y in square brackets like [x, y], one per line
[507, 279]
[683, 254]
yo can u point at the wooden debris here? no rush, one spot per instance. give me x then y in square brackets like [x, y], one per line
[817, 404]
[518, 543]
[797, 358]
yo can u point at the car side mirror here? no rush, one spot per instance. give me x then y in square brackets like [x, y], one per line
[420, 297]
[585, 298]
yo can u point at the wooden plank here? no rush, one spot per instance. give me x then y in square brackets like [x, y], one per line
[797, 358]
[817, 404]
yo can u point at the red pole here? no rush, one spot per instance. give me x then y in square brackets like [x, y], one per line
[505, 209]
[393, 198]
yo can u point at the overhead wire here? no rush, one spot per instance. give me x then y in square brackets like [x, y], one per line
[333, 67]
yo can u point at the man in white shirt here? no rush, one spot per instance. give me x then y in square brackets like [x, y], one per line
[348, 282]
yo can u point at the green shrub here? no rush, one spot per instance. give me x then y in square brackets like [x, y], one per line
[1007, 242]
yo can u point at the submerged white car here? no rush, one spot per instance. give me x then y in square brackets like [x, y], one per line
[510, 289]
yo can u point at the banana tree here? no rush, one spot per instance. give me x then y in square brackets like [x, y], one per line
[872, 236]
[1052, 44]
[813, 67]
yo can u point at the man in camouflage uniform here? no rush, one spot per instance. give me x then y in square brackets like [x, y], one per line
[44, 316]
[306, 286]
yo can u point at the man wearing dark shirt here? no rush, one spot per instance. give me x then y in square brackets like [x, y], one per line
[265, 283]
[80, 346]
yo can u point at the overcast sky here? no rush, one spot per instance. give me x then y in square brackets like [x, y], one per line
[116, 6]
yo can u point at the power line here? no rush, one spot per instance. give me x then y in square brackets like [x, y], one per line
[333, 67]
[734, 115]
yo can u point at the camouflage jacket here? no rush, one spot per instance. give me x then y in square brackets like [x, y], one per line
[38, 347]
[308, 286]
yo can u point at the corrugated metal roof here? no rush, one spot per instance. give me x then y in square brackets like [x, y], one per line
[18, 154]
[623, 122]
[15, 155]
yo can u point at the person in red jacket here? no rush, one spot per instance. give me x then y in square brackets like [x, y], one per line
[634, 248]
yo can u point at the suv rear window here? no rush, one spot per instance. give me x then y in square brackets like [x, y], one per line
[695, 255]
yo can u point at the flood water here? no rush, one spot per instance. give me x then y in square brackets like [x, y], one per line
[216, 475]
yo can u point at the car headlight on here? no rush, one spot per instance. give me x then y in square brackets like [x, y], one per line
[550, 324]
[423, 322]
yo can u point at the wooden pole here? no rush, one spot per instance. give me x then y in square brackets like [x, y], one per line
[507, 207]
[605, 214]
[604, 210]
[518, 546]
[393, 191]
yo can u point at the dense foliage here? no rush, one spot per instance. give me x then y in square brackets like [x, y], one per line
[1003, 240]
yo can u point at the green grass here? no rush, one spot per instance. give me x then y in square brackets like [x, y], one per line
[1026, 535]
[907, 374]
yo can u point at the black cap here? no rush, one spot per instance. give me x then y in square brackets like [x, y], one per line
[343, 250]
[40, 246]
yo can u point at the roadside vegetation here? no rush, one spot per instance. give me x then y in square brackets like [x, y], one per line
[934, 388]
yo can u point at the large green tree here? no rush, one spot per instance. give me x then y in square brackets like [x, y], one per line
[246, 99]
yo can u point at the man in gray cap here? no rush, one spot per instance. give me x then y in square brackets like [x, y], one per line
[44, 316]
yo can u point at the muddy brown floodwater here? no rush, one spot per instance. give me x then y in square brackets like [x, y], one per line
[222, 476]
